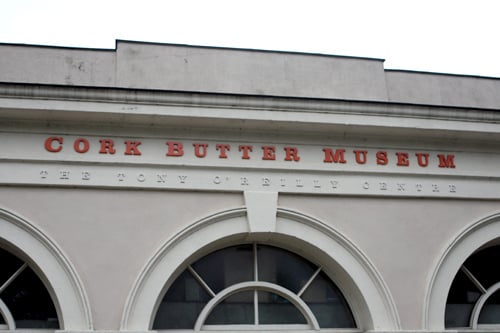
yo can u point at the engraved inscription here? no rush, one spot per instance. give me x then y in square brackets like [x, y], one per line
[161, 178]
[242, 181]
[64, 174]
[85, 175]
[266, 181]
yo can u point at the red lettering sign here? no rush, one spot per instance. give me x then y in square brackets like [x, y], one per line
[402, 159]
[360, 156]
[382, 158]
[446, 161]
[222, 148]
[336, 156]
[200, 153]
[291, 154]
[107, 146]
[269, 153]
[49, 144]
[245, 150]
[131, 147]
[175, 149]
[81, 145]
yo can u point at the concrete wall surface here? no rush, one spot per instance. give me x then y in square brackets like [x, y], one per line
[238, 71]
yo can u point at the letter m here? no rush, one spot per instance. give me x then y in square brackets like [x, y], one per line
[334, 156]
[446, 161]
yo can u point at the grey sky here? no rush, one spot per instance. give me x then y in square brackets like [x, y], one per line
[450, 36]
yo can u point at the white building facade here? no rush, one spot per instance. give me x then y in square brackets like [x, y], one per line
[161, 187]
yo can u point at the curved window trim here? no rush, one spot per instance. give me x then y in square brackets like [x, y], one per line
[4, 309]
[10, 324]
[366, 293]
[478, 307]
[260, 286]
[468, 241]
[53, 267]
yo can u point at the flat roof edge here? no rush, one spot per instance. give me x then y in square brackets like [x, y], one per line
[409, 71]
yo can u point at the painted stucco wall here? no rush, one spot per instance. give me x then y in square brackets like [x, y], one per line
[109, 235]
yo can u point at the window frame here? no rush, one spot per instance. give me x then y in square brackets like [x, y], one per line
[255, 286]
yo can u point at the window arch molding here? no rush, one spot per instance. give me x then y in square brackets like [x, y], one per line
[52, 266]
[365, 291]
[264, 286]
[462, 246]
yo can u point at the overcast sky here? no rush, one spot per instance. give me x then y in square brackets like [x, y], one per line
[448, 36]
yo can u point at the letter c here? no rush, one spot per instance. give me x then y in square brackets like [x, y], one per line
[49, 144]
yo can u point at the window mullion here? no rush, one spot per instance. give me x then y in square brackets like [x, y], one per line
[304, 288]
[13, 277]
[255, 263]
[256, 306]
[256, 278]
[201, 281]
[473, 279]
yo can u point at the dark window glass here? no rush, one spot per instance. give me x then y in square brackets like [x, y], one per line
[26, 297]
[186, 297]
[237, 309]
[328, 304]
[464, 293]
[10, 264]
[182, 304]
[490, 314]
[461, 299]
[226, 267]
[283, 268]
[274, 309]
[480, 265]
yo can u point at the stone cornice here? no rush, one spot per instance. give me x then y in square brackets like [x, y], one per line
[151, 108]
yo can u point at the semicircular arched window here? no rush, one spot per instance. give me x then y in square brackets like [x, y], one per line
[250, 287]
[474, 297]
[25, 303]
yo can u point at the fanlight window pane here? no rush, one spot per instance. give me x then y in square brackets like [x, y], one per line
[283, 268]
[254, 295]
[479, 264]
[226, 267]
[274, 309]
[477, 278]
[491, 310]
[182, 303]
[237, 309]
[10, 264]
[26, 296]
[328, 304]
[461, 299]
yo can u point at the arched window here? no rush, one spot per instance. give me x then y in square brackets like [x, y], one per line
[24, 300]
[253, 286]
[474, 297]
